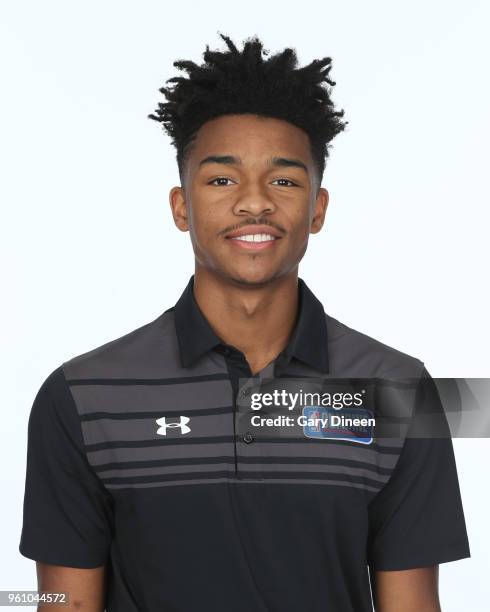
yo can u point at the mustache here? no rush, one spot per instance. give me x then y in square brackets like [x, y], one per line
[251, 221]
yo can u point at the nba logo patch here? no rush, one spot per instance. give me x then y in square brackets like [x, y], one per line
[349, 424]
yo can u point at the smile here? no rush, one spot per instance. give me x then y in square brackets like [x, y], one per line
[255, 238]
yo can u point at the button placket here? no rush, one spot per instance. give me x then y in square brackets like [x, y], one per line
[249, 447]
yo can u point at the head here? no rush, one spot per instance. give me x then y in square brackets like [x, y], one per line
[252, 136]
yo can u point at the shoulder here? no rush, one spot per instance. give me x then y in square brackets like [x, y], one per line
[354, 353]
[141, 352]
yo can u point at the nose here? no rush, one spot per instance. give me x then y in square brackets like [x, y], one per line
[253, 201]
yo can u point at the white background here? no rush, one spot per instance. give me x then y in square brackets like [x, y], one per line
[89, 250]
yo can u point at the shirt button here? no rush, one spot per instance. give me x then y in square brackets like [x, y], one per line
[247, 438]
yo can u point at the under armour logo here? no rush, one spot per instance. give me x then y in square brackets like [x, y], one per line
[162, 430]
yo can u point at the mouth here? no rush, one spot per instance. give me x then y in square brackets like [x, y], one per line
[254, 237]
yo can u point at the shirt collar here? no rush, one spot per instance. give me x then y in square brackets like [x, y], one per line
[308, 341]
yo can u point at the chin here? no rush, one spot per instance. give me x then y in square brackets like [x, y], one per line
[256, 278]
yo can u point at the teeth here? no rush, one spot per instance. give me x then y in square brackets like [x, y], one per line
[255, 237]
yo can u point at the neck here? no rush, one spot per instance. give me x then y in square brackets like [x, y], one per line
[257, 320]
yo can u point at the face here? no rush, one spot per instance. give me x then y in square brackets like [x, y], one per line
[250, 198]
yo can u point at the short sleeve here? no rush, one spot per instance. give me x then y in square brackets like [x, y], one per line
[417, 519]
[67, 512]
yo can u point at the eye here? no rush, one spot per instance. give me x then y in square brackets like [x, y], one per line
[219, 178]
[287, 180]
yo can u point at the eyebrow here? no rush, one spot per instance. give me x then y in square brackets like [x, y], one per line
[232, 160]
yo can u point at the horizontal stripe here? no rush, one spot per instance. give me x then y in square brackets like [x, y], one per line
[374, 446]
[242, 482]
[128, 415]
[263, 475]
[389, 450]
[73, 382]
[162, 451]
[403, 382]
[125, 416]
[260, 452]
[148, 398]
[323, 449]
[126, 465]
[147, 485]
[142, 430]
[160, 442]
[232, 481]
[176, 470]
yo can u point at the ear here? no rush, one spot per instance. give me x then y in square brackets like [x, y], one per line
[179, 208]
[319, 211]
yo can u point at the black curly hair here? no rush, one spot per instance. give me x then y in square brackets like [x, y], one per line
[234, 82]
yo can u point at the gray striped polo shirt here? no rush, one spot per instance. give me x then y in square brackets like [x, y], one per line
[147, 455]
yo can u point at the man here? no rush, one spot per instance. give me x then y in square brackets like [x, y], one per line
[148, 485]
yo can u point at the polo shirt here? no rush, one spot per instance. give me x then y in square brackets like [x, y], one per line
[142, 455]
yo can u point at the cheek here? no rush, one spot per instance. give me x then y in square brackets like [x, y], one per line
[199, 219]
[299, 222]
[205, 224]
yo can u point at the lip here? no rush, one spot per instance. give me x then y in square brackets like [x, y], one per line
[255, 229]
[252, 230]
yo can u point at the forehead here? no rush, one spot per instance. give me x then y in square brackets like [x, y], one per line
[253, 138]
